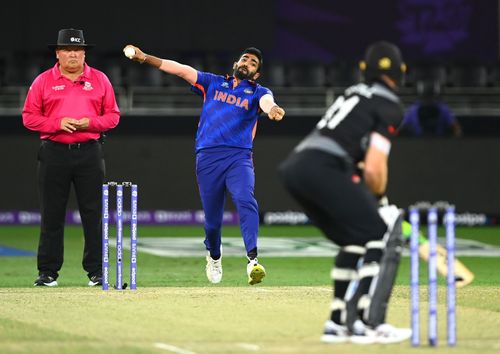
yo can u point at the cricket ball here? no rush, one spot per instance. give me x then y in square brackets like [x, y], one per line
[129, 52]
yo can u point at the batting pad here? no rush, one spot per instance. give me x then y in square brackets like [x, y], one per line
[389, 264]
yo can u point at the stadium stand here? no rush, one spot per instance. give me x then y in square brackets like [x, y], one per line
[305, 88]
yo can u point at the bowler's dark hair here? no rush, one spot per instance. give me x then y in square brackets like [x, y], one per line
[257, 53]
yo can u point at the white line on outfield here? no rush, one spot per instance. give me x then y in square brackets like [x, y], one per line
[172, 348]
[278, 247]
[249, 346]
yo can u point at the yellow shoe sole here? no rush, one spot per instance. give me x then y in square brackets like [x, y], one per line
[256, 275]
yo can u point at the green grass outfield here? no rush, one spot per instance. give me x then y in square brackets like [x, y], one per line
[175, 310]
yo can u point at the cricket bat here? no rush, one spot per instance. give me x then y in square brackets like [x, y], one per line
[463, 276]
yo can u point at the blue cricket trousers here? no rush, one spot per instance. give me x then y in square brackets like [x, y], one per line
[227, 168]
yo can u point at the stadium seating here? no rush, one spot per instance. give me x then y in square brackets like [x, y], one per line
[304, 87]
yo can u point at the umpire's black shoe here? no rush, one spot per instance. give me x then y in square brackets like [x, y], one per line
[45, 280]
[95, 280]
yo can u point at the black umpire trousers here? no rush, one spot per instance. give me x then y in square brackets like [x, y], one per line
[59, 166]
[332, 197]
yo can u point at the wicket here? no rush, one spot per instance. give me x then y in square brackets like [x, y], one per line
[119, 235]
[432, 226]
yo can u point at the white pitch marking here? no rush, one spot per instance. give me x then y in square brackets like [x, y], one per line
[172, 348]
[328, 290]
[249, 346]
[262, 290]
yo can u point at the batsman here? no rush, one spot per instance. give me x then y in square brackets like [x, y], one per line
[321, 176]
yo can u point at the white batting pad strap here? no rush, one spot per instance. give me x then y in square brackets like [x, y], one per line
[389, 214]
[337, 304]
[343, 274]
[354, 249]
[379, 244]
[380, 142]
[369, 270]
[364, 302]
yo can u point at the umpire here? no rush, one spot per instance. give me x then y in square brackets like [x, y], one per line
[70, 105]
[323, 175]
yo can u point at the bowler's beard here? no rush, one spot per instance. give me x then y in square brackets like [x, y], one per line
[242, 75]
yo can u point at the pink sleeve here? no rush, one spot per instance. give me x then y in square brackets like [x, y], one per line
[33, 117]
[110, 113]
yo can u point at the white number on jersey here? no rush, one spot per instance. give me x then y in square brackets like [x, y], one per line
[337, 112]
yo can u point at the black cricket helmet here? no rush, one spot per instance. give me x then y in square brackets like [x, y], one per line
[383, 58]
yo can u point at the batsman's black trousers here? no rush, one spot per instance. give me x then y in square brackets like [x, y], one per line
[333, 197]
[59, 166]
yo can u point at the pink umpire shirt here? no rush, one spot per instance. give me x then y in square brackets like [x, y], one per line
[53, 96]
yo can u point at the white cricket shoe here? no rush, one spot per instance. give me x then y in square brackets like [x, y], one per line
[382, 334]
[334, 333]
[255, 271]
[362, 334]
[214, 269]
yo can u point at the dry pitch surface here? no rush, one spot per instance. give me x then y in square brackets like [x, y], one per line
[216, 319]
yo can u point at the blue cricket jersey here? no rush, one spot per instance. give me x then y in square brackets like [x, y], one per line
[229, 114]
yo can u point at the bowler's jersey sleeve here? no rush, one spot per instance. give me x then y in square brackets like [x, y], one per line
[203, 82]
[261, 91]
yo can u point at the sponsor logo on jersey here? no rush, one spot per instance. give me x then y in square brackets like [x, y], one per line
[87, 86]
[225, 84]
[58, 87]
[248, 91]
[231, 99]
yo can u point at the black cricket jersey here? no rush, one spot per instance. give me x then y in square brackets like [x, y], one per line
[345, 128]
